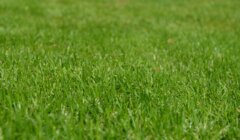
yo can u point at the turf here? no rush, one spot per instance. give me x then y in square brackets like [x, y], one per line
[119, 69]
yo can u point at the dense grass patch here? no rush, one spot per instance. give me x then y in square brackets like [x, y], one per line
[126, 69]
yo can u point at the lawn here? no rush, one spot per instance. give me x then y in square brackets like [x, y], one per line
[119, 69]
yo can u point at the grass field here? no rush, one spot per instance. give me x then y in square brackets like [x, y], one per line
[119, 69]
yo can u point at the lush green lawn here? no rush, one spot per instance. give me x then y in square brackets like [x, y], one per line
[126, 69]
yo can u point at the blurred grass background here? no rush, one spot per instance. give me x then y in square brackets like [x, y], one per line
[119, 69]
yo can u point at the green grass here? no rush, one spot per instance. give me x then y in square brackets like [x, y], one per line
[119, 69]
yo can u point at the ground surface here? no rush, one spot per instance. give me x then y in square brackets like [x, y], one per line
[105, 69]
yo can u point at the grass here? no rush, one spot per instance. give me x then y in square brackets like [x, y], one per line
[120, 69]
